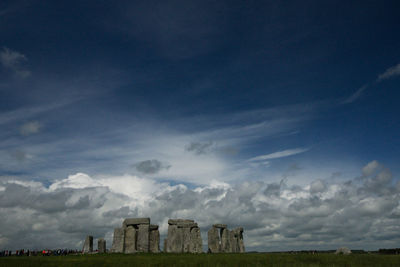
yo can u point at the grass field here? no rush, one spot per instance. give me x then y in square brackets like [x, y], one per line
[267, 259]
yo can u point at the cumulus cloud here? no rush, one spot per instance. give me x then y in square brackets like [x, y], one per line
[13, 60]
[151, 166]
[389, 73]
[321, 215]
[30, 128]
[280, 154]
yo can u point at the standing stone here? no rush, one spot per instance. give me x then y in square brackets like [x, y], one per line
[130, 240]
[143, 238]
[220, 239]
[239, 232]
[154, 243]
[196, 244]
[233, 241]
[118, 241]
[225, 238]
[136, 235]
[101, 245]
[183, 237]
[174, 239]
[88, 245]
[214, 245]
[186, 238]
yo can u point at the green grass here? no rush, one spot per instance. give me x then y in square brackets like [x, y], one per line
[267, 259]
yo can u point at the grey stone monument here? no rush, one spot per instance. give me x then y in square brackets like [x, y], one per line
[183, 236]
[221, 240]
[101, 245]
[88, 245]
[136, 235]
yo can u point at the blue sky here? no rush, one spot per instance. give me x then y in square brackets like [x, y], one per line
[190, 96]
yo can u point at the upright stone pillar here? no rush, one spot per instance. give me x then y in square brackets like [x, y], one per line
[225, 238]
[183, 237]
[118, 241]
[130, 240]
[196, 244]
[154, 244]
[136, 235]
[214, 245]
[220, 239]
[88, 245]
[143, 238]
[101, 245]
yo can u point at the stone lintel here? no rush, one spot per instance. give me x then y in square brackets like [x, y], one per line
[135, 221]
[220, 225]
[187, 225]
[153, 227]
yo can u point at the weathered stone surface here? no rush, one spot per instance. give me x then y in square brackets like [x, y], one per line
[130, 240]
[239, 235]
[225, 240]
[186, 224]
[153, 227]
[143, 238]
[196, 244]
[118, 240]
[88, 245]
[175, 238]
[136, 235]
[101, 245]
[234, 245]
[222, 240]
[135, 221]
[183, 236]
[186, 238]
[214, 245]
[154, 243]
[180, 221]
[219, 225]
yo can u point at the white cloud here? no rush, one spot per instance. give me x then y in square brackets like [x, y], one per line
[275, 216]
[370, 168]
[12, 60]
[30, 128]
[280, 154]
[389, 73]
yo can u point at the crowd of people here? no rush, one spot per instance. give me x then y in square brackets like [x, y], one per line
[44, 252]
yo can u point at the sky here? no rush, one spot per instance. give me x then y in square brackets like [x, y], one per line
[278, 116]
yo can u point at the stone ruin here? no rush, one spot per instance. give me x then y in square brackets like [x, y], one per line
[222, 240]
[183, 237]
[88, 245]
[136, 235]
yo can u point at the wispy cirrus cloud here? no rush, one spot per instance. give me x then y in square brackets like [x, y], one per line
[357, 94]
[13, 61]
[279, 154]
[389, 73]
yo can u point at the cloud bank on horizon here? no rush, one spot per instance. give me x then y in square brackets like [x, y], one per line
[275, 216]
[279, 118]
